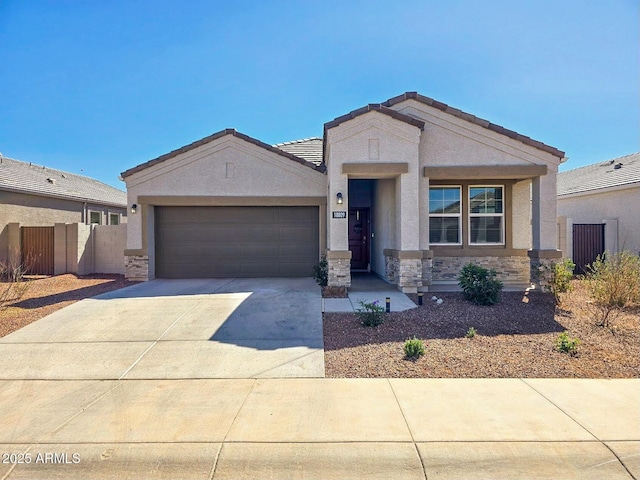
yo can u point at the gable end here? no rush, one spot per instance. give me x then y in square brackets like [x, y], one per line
[473, 119]
[215, 136]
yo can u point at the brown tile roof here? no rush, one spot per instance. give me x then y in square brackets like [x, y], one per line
[26, 177]
[473, 119]
[210, 138]
[611, 173]
[374, 107]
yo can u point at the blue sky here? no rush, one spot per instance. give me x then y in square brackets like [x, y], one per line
[97, 87]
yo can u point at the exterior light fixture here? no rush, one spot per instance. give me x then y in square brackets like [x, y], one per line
[134, 208]
[339, 198]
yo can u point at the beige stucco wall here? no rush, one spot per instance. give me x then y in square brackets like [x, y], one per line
[374, 138]
[226, 167]
[109, 243]
[38, 211]
[621, 204]
[449, 141]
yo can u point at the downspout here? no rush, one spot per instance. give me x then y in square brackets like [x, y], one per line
[84, 212]
[93, 247]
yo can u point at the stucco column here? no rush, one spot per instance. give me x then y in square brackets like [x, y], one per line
[544, 226]
[338, 228]
[338, 254]
[407, 212]
[409, 256]
[544, 212]
[14, 253]
[140, 226]
[59, 248]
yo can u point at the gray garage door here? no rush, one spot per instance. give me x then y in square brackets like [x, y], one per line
[209, 242]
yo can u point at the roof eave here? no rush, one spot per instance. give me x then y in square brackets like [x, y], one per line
[610, 188]
[63, 196]
[475, 120]
[210, 138]
[374, 107]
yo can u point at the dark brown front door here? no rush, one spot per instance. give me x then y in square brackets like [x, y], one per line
[359, 238]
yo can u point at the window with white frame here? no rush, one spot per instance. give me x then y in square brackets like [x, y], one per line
[445, 215]
[114, 219]
[486, 215]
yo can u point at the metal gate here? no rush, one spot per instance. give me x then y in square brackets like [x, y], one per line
[37, 250]
[588, 243]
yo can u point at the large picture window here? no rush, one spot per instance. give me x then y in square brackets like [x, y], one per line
[445, 215]
[486, 215]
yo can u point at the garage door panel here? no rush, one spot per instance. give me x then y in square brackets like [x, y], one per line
[293, 214]
[297, 234]
[298, 250]
[204, 242]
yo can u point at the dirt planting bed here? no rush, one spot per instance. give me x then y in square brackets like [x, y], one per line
[515, 338]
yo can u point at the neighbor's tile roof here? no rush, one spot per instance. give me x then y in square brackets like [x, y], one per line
[473, 119]
[308, 148]
[25, 177]
[210, 138]
[612, 173]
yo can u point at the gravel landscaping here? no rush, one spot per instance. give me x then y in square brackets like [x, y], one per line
[515, 338]
[45, 295]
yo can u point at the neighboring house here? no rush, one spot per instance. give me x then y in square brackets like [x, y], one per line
[34, 195]
[598, 209]
[410, 189]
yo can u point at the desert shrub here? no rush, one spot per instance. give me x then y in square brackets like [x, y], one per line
[613, 281]
[471, 332]
[371, 313]
[557, 278]
[480, 285]
[16, 285]
[413, 348]
[565, 344]
[321, 272]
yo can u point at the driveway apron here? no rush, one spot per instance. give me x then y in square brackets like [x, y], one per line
[176, 329]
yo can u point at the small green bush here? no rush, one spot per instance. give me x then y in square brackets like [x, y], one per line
[321, 272]
[557, 278]
[565, 344]
[371, 314]
[480, 285]
[471, 332]
[414, 348]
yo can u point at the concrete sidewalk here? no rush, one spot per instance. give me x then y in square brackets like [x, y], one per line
[321, 428]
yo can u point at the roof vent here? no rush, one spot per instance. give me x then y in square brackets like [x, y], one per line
[51, 180]
[618, 166]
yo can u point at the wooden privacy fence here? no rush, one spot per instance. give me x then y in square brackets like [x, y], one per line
[588, 243]
[36, 248]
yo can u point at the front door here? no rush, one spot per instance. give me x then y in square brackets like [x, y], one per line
[359, 238]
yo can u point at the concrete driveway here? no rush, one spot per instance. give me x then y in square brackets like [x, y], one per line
[176, 329]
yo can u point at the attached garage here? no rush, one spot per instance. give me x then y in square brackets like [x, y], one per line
[219, 242]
